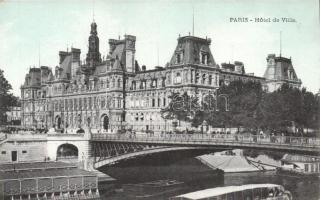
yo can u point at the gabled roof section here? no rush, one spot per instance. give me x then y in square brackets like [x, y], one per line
[190, 50]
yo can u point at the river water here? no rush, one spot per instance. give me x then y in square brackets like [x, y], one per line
[195, 176]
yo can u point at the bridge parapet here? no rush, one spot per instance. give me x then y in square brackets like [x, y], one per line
[295, 144]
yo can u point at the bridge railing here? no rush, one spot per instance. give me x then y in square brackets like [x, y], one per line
[204, 138]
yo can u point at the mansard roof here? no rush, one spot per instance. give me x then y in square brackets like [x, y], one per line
[66, 67]
[191, 47]
[280, 68]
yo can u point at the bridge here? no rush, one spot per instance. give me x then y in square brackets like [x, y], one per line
[108, 149]
[93, 151]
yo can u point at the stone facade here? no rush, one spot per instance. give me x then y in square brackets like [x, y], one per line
[113, 92]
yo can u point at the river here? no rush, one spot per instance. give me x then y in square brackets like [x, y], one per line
[195, 176]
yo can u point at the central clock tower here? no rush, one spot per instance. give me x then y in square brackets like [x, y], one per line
[93, 54]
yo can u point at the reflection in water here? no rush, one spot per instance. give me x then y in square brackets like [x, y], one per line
[195, 176]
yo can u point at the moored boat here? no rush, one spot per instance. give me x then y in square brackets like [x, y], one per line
[243, 192]
[299, 166]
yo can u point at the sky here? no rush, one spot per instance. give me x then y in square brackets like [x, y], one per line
[34, 31]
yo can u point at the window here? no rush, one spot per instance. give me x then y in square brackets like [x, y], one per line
[133, 87]
[159, 102]
[197, 78]
[203, 79]
[3, 152]
[163, 82]
[210, 79]
[178, 58]
[153, 102]
[107, 84]
[306, 167]
[119, 102]
[24, 151]
[154, 83]
[164, 102]
[177, 79]
[119, 83]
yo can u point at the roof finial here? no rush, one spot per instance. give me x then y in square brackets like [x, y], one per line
[280, 43]
[93, 10]
[39, 53]
[192, 21]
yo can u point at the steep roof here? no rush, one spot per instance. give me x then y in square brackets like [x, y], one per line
[191, 47]
[66, 67]
[280, 68]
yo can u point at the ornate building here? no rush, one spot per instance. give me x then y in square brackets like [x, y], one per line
[114, 92]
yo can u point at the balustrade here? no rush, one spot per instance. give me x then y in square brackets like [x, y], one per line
[212, 139]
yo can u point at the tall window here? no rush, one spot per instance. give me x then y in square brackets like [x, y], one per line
[178, 58]
[153, 102]
[113, 83]
[119, 83]
[210, 79]
[197, 78]
[203, 79]
[107, 84]
[177, 79]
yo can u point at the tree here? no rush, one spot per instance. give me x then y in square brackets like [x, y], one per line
[243, 100]
[6, 98]
[181, 107]
[287, 108]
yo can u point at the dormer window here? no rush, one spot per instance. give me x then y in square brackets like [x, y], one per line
[179, 57]
[204, 58]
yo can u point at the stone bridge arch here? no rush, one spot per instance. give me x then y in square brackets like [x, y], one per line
[67, 151]
[72, 143]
